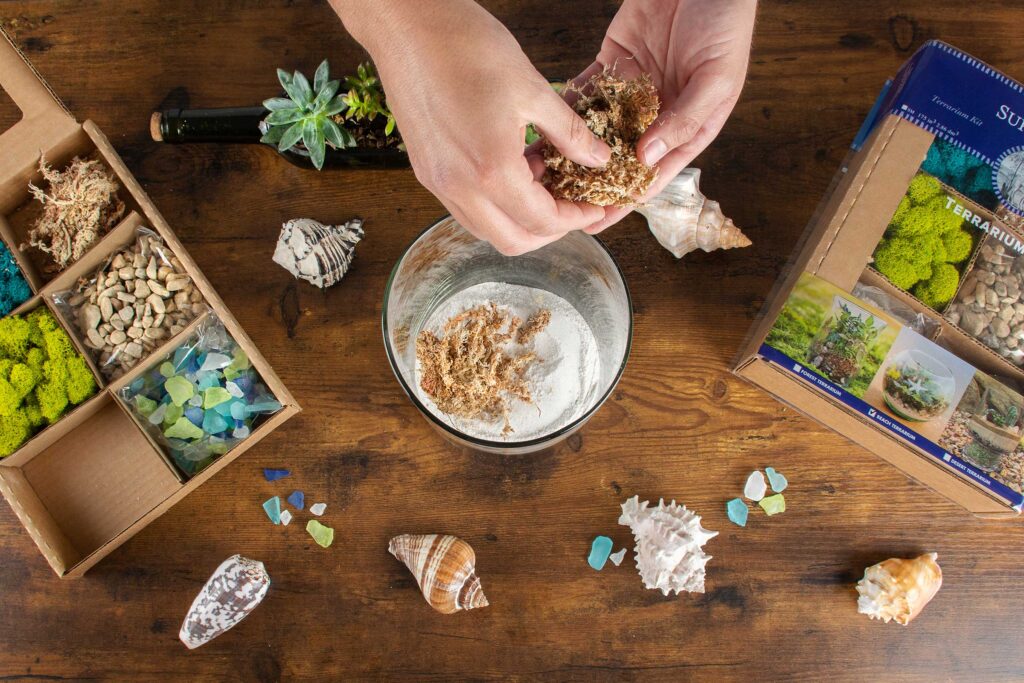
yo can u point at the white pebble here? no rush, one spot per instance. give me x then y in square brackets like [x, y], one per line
[755, 487]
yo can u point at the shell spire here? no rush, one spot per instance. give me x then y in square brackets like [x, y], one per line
[898, 589]
[445, 569]
[669, 545]
[684, 220]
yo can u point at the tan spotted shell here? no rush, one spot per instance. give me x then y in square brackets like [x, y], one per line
[444, 567]
[898, 589]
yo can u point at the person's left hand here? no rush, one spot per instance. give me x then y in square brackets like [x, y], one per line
[697, 53]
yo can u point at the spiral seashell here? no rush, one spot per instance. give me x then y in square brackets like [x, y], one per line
[684, 220]
[444, 567]
[898, 589]
[320, 254]
[234, 590]
[669, 545]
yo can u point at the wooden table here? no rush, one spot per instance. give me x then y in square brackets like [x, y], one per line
[780, 600]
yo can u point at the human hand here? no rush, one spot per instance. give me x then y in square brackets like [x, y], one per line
[462, 92]
[697, 53]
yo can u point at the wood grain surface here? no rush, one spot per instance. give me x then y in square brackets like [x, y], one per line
[780, 602]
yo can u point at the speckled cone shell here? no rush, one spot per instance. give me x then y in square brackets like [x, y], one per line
[899, 589]
[231, 593]
[669, 545]
[684, 220]
[318, 253]
[444, 567]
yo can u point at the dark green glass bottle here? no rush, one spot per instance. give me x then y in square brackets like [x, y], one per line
[241, 125]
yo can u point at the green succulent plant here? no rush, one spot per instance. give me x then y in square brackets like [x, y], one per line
[307, 115]
[365, 100]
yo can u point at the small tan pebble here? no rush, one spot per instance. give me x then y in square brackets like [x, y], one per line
[163, 272]
[170, 306]
[135, 332]
[157, 303]
[181, 298]
[126, 273]
[155, 333]
[138, 261]
[158, 289]
[117, 321]
[177, 282]
[118, 262]
[77, 299]
[176, 328]
[105, 328]
[106, 308]
[126, 297]
[110, 280]
[133, 349]
[91, 315]
[196, 296]
[158, 321]
[95, 339]
[141, 289]
[177, 264]
[151, 268]
[117, 336]
[140, 272]
[147, 322]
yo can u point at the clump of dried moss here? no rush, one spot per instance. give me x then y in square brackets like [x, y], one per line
[81, 206]
[469, 371]
[617, 111]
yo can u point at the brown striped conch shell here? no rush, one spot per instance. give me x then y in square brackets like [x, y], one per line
[684, 220]
[234, 590]
[899, 589]
[444, 567]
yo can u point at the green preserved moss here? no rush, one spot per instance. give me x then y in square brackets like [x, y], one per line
[924, 244]
[41, 376]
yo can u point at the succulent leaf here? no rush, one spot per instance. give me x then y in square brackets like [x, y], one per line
[273, 136]
[278, 103]
[321, 76]
[290, 137]
[285, 78]
[390, 127]
[325, 95]
[335, 106]
[301, 91]
[284, 116]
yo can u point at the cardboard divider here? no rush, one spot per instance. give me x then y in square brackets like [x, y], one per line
[159, 353]
[99, 478]
[22, 215]
[51, 540]
[25, 265]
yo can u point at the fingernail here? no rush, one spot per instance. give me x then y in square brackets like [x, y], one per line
[654, 151]
[601, 152]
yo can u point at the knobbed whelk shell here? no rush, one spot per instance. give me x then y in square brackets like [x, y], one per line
[318, 253]
[684, 220]
[444, 567]
[669, 545]
[899, 589]
[231, 593]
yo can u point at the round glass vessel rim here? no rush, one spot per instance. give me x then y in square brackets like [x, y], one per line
[487, 443]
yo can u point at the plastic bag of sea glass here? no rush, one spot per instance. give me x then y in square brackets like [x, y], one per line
[201, 400]
[135, 302]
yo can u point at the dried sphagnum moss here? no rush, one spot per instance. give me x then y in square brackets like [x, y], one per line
[468, 372]
[617, 111]
[81, 206]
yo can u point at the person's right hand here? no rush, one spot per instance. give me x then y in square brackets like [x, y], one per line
[462, 92]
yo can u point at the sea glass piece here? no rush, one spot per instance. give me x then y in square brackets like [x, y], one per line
[297, 500]
[194, 415]
[172, 414]
[214, 396]
[184, 429]
[241, 432]
[267, 406]
[272, 506]
[275, 474]
[238, 410]
[755, 488]
[145, 406]
[179, 389]
[213, 422]
[196, 401]
[167, 369]
[323, 535]
[318, 508]
[208, 380]
[214, 361]
[234, 590]
[600, 549]
[773, 505]
[777, 481]
[737, 511]
[618, 557]
[286, 517]
[234, 389]
[157, 416]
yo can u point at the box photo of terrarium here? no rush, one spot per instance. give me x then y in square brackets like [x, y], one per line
[834, 334]
[920, 384]
[986, 430]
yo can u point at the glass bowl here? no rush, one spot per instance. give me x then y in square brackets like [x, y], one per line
[445, 259]
[917, 387]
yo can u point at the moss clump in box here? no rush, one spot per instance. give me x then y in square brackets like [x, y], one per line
[41, 376]
[925, 245]
[14, 289]
[960, 169]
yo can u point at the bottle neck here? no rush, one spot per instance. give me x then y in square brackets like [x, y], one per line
[229, 124]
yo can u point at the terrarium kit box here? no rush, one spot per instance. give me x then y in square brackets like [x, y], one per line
[125, 382]
[899, 322]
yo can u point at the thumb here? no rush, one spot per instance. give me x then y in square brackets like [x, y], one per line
[567, 131]
[683, 119]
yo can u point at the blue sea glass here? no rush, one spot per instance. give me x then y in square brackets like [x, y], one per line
[600, 549]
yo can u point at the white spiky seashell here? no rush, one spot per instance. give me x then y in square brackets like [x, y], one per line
[231, 593]
[684, 220]
[669, 545]
[318, 253]
[898, 589]
[445, 569]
